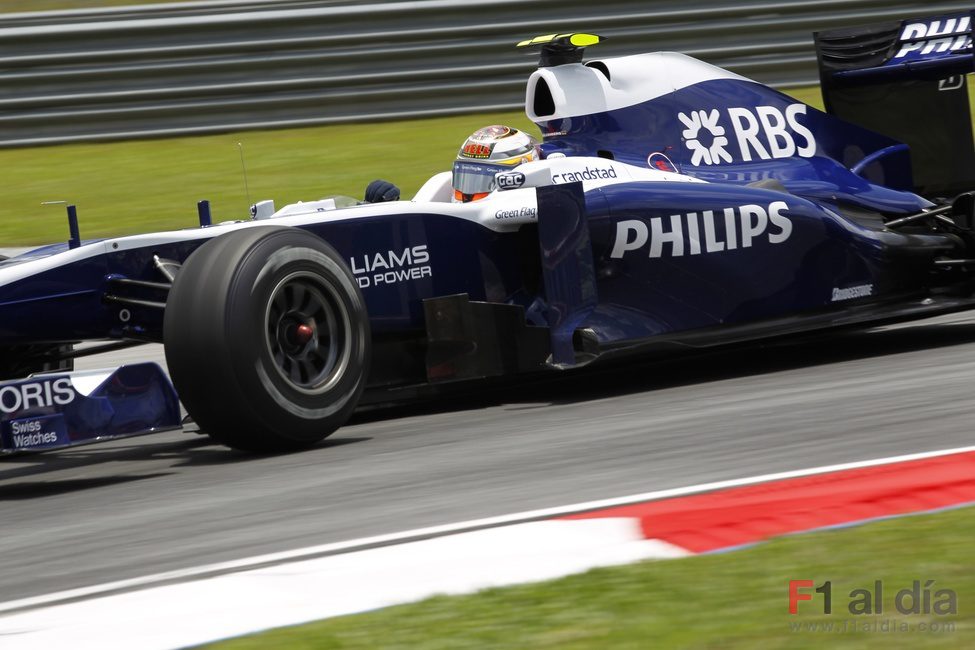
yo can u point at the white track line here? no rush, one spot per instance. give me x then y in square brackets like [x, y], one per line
[274, 559]
[179, 615]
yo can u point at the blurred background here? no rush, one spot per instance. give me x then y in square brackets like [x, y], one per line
[135, 111]
[323, 96]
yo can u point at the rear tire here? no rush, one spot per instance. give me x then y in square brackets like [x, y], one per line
[267, 339]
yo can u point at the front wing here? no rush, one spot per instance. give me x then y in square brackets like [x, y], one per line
[58, 410]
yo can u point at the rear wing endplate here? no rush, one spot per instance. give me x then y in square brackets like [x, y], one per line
[907, 80]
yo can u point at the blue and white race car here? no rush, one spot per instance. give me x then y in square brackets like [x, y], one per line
[675, 204]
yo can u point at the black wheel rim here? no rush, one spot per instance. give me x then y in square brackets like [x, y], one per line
[307, 332]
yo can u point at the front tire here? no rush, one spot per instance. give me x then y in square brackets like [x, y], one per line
[267, 339]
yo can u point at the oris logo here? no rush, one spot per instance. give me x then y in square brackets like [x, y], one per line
[762, 133]
[697, 232]
[20, 397]
[509, 180]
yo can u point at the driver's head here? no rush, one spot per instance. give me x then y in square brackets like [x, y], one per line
[488, 151]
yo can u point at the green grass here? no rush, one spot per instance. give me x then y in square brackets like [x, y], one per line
[139, 186]
[727, 601]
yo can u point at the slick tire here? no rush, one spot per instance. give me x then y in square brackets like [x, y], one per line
[267, 339]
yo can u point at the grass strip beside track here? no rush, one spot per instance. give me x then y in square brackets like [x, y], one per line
[727, 600]
[149, 185]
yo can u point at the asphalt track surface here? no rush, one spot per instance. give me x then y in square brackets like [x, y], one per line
[139, 506]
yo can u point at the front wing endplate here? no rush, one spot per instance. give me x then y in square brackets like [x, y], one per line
[58, 410]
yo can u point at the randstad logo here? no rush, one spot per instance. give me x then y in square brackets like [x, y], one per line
[762, 133]
[587, 174]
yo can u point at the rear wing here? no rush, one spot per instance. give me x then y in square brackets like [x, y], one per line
[907, 80]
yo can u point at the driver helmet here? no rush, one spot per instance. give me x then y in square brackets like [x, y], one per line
[488, 151]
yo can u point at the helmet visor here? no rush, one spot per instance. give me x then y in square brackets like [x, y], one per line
[474, 177]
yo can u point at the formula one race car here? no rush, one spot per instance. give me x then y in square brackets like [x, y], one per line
[675, 204]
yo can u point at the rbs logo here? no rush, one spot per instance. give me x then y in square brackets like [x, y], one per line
[762, 133]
